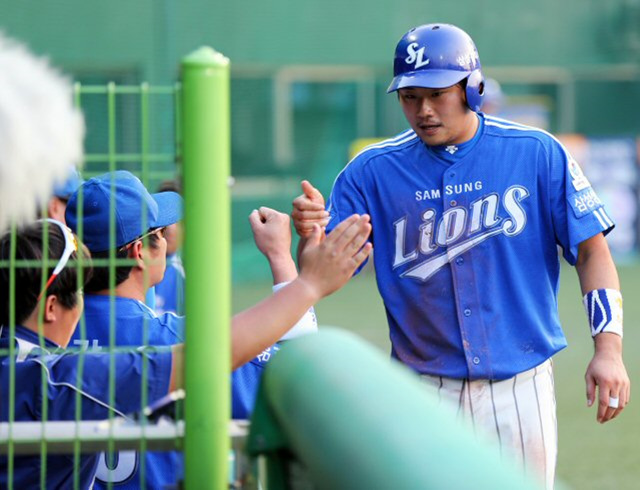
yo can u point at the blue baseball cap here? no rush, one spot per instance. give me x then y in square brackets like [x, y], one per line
[131, 201]
[69, 186]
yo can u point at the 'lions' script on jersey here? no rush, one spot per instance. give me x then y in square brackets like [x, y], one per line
[449, 231]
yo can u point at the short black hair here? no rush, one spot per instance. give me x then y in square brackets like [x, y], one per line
[29, 246]
[100, 278]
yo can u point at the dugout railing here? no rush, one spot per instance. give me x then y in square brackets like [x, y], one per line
[197, 148]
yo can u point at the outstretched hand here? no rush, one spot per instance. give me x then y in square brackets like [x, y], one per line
[327, 263]
[308, 210]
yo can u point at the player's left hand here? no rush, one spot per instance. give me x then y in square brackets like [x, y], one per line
[606, 371]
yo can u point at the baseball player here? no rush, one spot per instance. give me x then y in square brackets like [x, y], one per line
[467, 213]
[62, 305]
[325, 267]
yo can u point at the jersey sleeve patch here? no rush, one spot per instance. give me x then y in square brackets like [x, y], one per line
[584, 202]
[578, 180]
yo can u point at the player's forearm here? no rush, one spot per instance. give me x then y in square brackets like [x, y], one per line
[597, 271]
[595, 266]
[608, 344]
[283, 268]
[260, 326]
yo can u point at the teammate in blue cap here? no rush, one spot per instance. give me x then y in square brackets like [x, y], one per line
[325, 267]
[139, 222]
[467, 213]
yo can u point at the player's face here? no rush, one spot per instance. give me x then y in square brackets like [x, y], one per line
[173, 235]
[438, 116]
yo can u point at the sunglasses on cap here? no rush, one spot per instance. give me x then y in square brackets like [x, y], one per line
[153, 231]
[70, 246]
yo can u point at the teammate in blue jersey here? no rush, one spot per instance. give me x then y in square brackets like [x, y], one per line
[37, 357]
[467, 212]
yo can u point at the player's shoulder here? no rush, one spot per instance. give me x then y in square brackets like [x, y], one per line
[390, 146]
[504, 128]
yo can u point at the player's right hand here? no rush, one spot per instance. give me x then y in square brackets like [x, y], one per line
[327, 264]
[308, 210]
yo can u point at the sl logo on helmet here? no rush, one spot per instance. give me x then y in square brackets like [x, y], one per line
[416, 57]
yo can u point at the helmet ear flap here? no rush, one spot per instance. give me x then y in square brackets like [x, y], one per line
[475, 90]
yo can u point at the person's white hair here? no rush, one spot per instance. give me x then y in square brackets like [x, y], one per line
[41, 132]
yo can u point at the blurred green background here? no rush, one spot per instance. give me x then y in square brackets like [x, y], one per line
[309, 77]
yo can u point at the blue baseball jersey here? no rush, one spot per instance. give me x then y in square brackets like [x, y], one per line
[465, 240]
[60, 371]
[132, 319]
[170, 291]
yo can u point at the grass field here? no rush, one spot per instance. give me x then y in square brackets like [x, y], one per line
[591, 456]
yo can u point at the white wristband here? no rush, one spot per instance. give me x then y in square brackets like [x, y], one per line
[604, 310]
[306, 325]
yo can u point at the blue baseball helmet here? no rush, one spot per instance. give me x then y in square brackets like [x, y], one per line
[438, 56]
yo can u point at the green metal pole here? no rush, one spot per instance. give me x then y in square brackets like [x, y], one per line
[207, 256]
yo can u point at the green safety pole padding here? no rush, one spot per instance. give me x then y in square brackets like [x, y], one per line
[354, 419]
[205, 125]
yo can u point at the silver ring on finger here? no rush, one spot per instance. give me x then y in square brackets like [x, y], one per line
[614, 402]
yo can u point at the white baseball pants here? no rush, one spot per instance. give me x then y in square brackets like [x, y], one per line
[518, 413]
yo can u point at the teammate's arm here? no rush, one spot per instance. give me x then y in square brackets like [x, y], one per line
[325, 266]
[606, 370]
[272, 234]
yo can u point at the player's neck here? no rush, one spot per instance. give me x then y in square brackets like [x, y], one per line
[52, 331]
[129, 288]
[468, 130]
